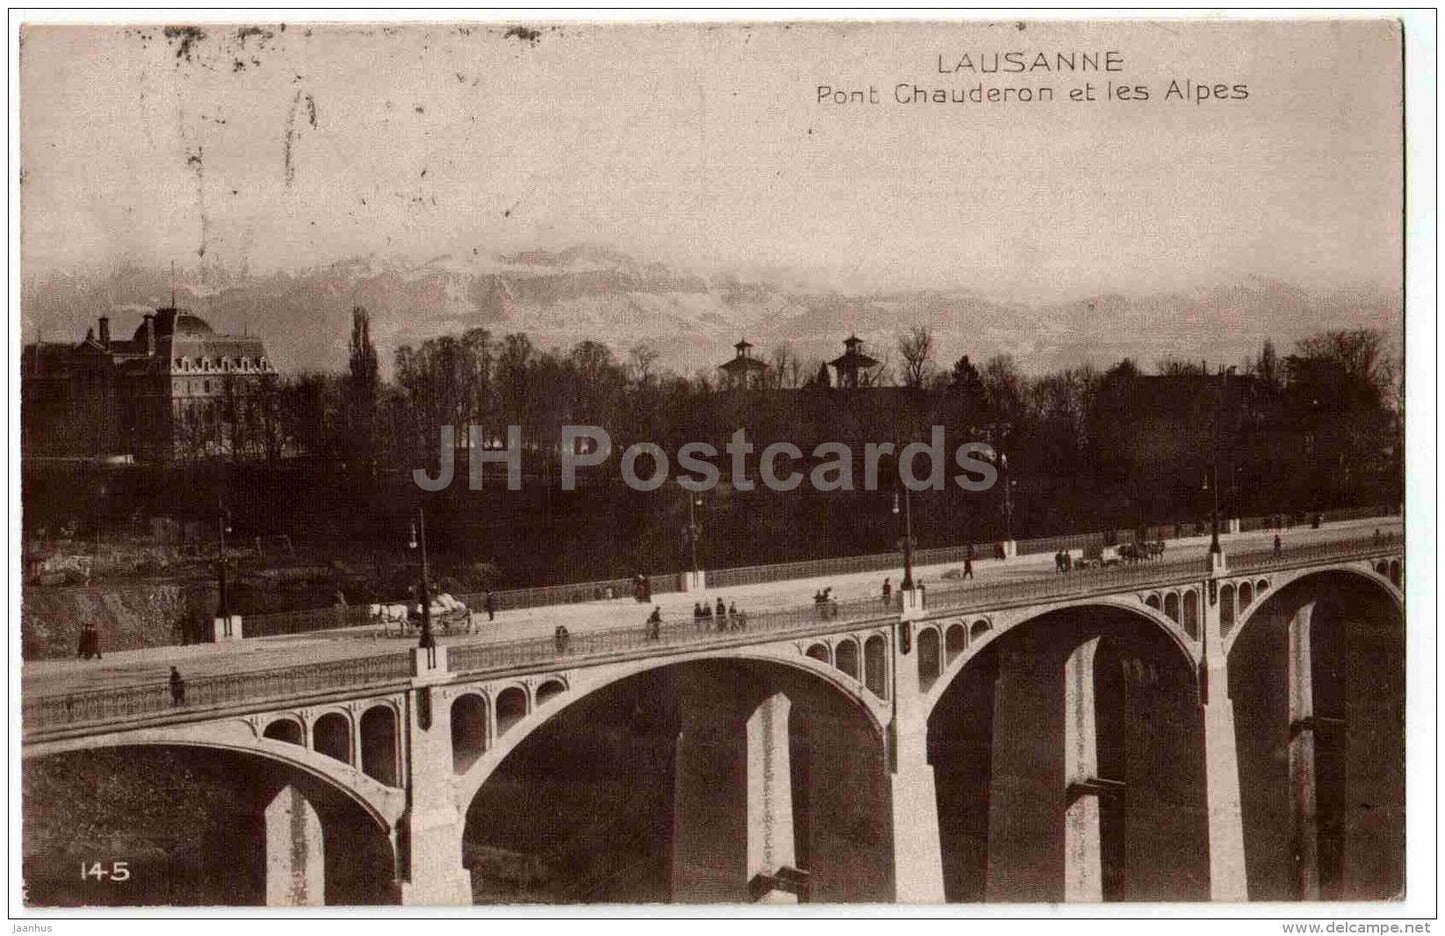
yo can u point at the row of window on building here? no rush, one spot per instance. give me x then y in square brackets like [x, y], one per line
[222, 363]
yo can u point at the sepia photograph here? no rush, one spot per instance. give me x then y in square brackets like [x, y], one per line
[511, 465]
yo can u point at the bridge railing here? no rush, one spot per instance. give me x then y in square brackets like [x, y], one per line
[671, 634]
[302, 622]
[117, 704]
[316, 619]
[1355, 548]
[1144, 574]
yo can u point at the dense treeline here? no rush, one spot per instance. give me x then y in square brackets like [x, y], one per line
[327, 458]
[1320, 426]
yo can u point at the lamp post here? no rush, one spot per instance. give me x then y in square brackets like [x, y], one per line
[1008, 500]
[223, 523]
[1211, 485]
[907, 584]
[694, 501]
[427, 642]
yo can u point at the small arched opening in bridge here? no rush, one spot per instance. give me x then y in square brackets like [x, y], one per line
[846, 655]
[208, 846]
[819, 651]
[511, 708]
[1190, 620]
[1014, 804]
[331, 735]
[875, 665]
[1395, 576]
[1246, 595]
[980, 627]
[1261, 587]
[469, 730]
[955, 641]
[379, 745]
[930, 666]
[1171, 606]
[1152, 600]
[1383, 568]
[638, 790]
[1226, 609]
[549, 690]
[288, 730]
[1317, 684]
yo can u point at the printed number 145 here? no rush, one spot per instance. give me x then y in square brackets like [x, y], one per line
[116, 872]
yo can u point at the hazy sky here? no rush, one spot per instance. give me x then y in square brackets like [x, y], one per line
[706, 146]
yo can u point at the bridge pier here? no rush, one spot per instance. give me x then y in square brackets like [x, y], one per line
[732, 817]
[295, 852]
[772, 849]
[1083, 830]
[917, 851]
[1304, 824]
[433, 874]
[1025, 844]
[1228, 881]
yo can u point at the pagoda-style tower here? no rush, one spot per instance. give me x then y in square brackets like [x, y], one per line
[743, 369]
[852, 361]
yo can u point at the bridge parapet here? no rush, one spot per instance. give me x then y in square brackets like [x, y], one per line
[62, 712]
[128, 703]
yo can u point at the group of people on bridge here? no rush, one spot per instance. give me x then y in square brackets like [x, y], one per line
[726, 618]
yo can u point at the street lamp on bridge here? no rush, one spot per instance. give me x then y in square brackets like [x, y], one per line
[1008, 499]
[907, 584]
[694, 501]
[223, 610]
[1211, 486]
[427, 642]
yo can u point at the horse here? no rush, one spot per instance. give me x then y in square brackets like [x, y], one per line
[387, 615]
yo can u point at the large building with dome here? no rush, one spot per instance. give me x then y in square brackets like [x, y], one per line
[175, 389]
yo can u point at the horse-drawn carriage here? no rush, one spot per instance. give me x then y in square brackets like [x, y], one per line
[1140, 552]
[447, 614]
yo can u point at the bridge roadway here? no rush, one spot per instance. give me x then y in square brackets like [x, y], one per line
[139, 667]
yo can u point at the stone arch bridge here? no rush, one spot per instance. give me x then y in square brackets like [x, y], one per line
[1063, 737]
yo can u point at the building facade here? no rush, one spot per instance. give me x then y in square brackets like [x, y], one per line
[175, 389]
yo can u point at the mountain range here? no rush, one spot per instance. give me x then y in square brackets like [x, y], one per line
[692, 320]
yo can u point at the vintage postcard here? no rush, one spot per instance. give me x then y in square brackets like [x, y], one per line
[789, 462]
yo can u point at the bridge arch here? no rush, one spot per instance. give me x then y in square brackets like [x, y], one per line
[331, 735]
[955, 641]
[930, 659]
[471, 729]
[1261, 607]
[380, 732]
[1317, 686]
[1181, 639]
[237, 777]
[846, 655]
[287, 729]
[630, 707]
[1007, 729]
[587, 682]
[383, 805]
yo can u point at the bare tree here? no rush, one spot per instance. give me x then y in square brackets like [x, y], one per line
[787, 368]
[915, 346]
